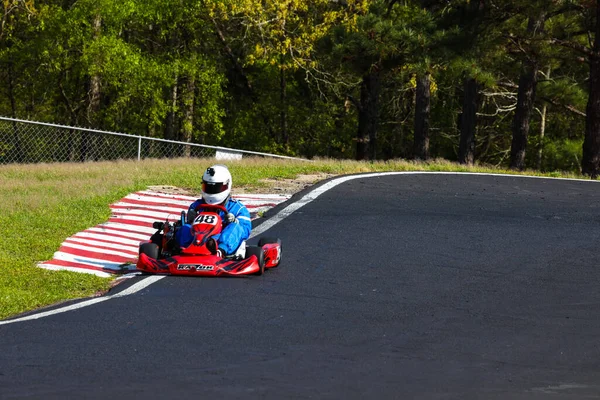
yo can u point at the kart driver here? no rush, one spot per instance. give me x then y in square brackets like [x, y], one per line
[216, 189]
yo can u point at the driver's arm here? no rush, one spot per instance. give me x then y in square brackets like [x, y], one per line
[242, 217]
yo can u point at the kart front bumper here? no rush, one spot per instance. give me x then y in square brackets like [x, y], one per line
[197, 265]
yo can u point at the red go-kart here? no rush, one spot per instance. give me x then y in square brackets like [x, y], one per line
[162, 255]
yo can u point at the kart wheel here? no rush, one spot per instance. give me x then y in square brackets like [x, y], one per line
[271, 240]
[157, 239]
[149, 249]
[268, 240]
[260, 256]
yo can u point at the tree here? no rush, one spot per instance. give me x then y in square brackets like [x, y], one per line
[283, 34]
[384, 43]
[468, 122]
[15, 25]
[422, 109]
[429, 54]
[526, 92]
[590, 164]
[363, 79]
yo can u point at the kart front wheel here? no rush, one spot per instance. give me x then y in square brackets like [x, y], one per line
[150, 249]
[260, 256]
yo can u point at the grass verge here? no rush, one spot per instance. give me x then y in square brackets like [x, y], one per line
[42, 204]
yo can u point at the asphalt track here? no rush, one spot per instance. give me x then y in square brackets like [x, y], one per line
[396, 287]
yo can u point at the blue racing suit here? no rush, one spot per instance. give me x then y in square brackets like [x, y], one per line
[232, 235]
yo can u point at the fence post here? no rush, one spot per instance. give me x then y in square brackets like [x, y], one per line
[139, 148]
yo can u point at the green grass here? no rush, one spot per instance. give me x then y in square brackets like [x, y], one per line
[41, 205]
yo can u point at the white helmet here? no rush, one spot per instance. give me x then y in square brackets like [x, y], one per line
[216, 184]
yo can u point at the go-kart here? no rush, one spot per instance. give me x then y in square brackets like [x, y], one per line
[163, 255]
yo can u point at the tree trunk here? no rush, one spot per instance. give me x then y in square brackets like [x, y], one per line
[11, 90]
[520, 128]
[94, 101]
[468, 122]
[236, 63]
[525, 99]
[590, 164]
[74, 137]
[93, 108]
[170, 122]
[18, 150]
[187, 128]
[540, 154]
[367, 117]
[94, 93]
[285, 140]
[422, 111]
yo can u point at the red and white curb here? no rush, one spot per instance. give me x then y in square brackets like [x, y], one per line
[112, 247]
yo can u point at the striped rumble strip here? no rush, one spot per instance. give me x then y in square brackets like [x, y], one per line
[112, 247]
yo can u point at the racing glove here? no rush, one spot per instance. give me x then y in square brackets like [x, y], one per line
[191, 216]
[230, 218]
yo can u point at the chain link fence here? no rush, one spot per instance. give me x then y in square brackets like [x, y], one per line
[35, 142]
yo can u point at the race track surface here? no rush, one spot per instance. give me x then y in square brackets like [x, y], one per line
[397, 287]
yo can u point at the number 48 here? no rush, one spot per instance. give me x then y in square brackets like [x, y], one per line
[206, 219]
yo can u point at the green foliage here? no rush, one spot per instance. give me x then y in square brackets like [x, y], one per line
[566, 153]
[211, 71]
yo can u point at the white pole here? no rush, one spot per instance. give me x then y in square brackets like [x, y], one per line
[139, 148]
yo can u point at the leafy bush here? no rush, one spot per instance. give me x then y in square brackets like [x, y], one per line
[562, 155]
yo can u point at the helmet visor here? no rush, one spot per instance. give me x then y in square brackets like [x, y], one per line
[214, 188]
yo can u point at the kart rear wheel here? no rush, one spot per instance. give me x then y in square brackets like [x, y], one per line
[150, 249]
[271, 240]
[157, 239]
[260, 256]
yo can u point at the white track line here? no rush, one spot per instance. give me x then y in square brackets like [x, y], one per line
[136, 287]
[280, 216]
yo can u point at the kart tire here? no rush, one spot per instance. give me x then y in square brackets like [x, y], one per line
[268, 240]
[150, 249]
[157, 239]
[260, 256]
